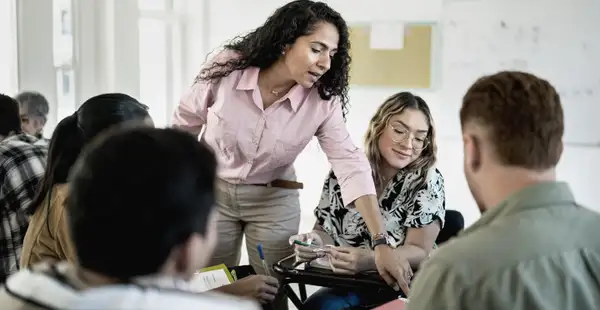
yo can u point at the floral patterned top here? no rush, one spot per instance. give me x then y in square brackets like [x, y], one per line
[402, 204]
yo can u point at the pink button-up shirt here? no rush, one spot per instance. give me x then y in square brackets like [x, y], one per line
[255, 145]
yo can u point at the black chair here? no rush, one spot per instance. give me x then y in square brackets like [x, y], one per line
[454, 224]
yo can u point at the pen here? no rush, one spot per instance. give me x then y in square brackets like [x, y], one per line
[298, 242]
[261, 254]
[309, 245]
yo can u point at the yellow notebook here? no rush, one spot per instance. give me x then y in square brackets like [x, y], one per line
[210, 278]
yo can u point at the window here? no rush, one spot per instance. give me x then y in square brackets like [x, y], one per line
[65, 85]
[153, 67]
[63, 45]
[8, 53]
[160, 47]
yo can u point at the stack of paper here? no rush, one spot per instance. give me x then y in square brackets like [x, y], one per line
[211, 278]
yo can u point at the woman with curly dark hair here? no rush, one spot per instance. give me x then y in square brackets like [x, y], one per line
[258, 103]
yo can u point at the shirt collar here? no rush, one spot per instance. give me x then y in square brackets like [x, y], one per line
[249, 81]
[536, 196]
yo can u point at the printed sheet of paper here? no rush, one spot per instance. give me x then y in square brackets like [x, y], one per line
[387, 36]
[321, 262]
[211, 278]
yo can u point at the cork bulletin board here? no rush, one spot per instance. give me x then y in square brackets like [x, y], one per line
[409, 67]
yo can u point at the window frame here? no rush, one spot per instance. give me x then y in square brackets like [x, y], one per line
[66, 104]
[175, 21]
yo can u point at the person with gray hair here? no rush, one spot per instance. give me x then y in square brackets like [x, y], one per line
[33, 108]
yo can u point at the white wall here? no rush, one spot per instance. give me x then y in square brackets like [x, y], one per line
[554, 39]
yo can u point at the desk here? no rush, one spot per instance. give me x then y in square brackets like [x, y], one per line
[326, 278]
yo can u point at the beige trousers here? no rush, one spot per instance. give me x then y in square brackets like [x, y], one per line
[269, 216]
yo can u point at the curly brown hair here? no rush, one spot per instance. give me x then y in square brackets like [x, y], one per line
[523, 117]
[263, 47]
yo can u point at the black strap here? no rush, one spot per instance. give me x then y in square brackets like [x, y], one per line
[379, 241]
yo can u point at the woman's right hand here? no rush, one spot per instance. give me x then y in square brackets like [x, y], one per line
[304, 253]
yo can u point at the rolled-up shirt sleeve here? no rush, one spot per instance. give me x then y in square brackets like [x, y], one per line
[348, 162]
[190, 114]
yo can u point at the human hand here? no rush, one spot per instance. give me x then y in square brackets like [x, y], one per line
[350, 260]
[307, 253]
[258, 287]
[395, 270]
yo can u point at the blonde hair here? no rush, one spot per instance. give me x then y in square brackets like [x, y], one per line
[395, 105]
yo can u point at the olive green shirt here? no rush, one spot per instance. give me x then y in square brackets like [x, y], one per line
[537, 250]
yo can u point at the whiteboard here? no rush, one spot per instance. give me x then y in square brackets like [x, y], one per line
[566, 54]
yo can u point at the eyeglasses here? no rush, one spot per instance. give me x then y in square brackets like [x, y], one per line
[400, 134]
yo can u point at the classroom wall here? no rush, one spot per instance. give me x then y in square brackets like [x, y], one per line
[554, 39]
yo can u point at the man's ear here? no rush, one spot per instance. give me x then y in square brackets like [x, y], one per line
[472, 152]
[561, 148]
[467, 149]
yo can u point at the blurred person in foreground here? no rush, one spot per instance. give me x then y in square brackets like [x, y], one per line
[48, 236]
[534, 247]
[140, 234]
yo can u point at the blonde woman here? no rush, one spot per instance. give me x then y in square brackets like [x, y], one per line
[400, 145]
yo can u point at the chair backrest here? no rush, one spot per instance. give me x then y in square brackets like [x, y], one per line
[454, 224]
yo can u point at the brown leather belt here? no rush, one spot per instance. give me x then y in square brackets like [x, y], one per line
[282, 184]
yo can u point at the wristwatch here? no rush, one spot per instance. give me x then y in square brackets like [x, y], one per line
[379, 239]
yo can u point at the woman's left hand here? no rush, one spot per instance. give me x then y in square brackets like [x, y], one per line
[351, 260]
